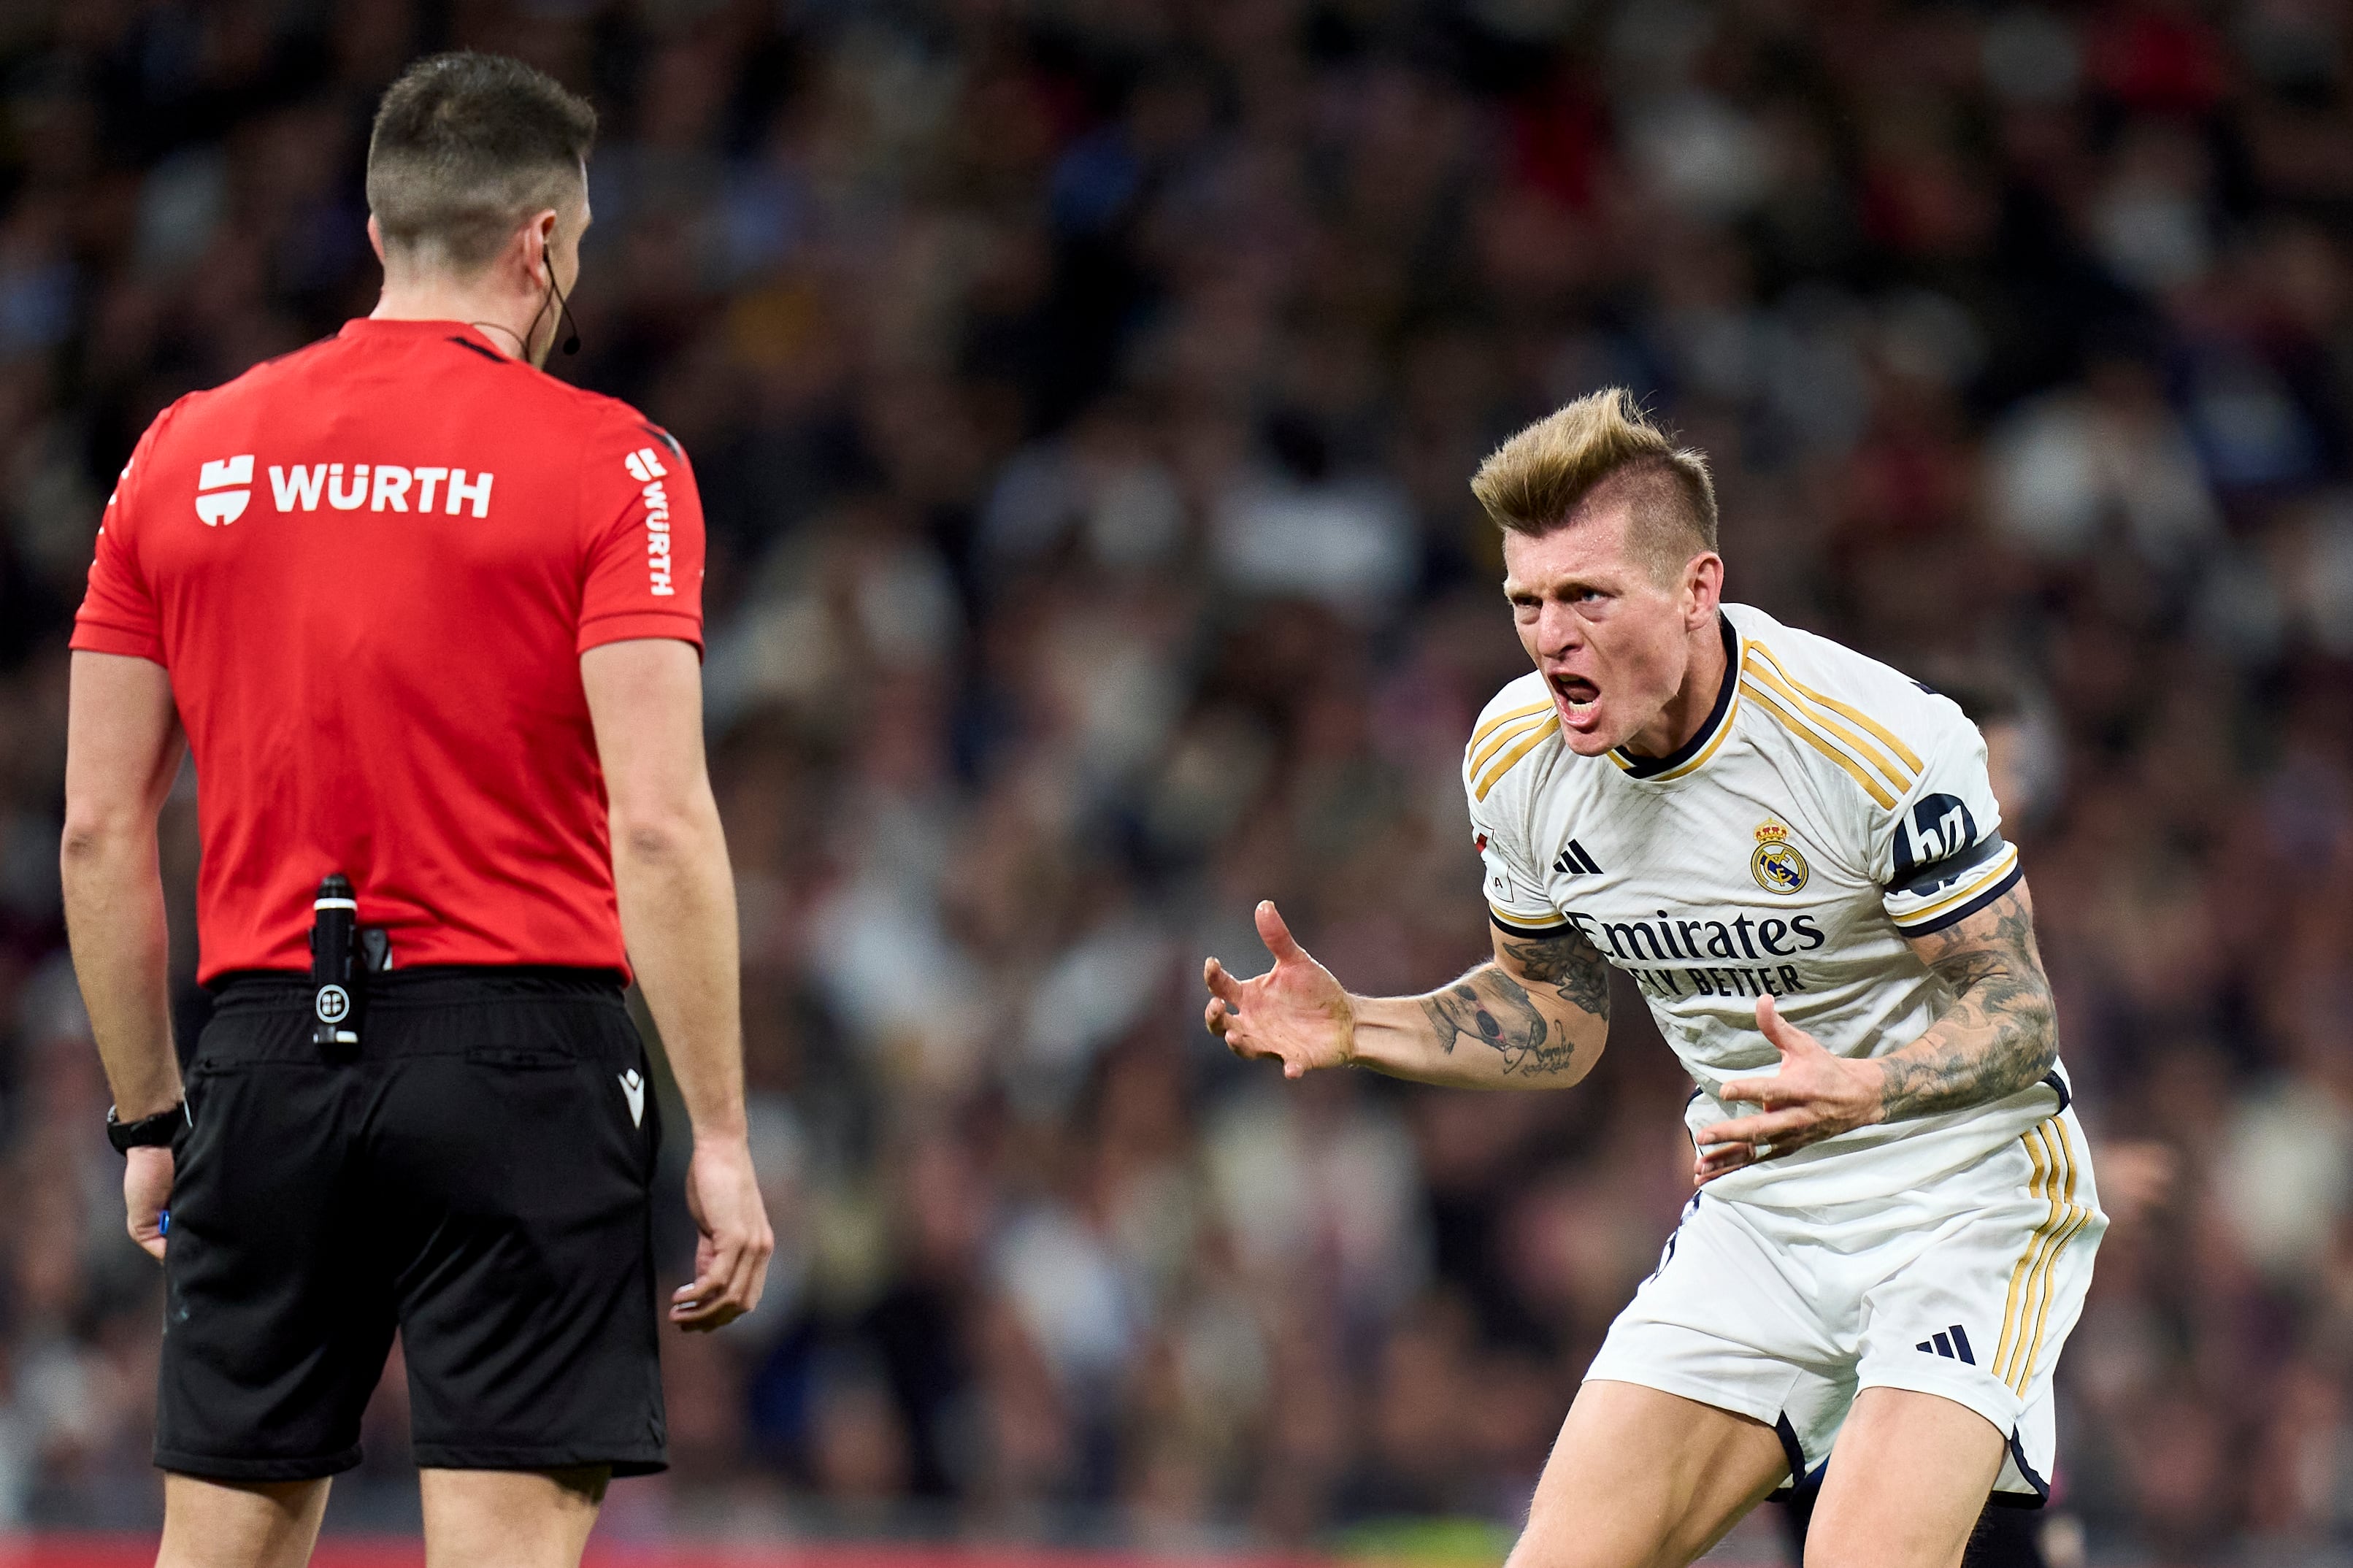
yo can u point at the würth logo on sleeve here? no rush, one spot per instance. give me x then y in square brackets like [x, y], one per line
[647, 468]
[216, 502]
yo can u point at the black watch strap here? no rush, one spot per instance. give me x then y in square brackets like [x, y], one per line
[149, 1132]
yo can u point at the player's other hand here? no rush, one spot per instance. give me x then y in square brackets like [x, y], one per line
[1296, 1013]
[1818, 1095]
[146, 1193]
[730, 1254]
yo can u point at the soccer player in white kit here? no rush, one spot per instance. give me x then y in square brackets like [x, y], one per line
[1794, 852]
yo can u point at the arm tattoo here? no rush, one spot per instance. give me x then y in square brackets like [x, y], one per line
[1489, 1004]
[1570, 965]
[1998, 1036]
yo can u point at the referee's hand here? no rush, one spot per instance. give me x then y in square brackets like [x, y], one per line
[730, 1259]
[146, 1193]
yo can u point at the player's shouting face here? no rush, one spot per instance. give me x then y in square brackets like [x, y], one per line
[1614, 629]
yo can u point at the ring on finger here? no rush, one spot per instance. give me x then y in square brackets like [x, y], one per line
[1761, 1150]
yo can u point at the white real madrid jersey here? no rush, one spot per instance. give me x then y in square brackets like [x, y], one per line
[1828, 809]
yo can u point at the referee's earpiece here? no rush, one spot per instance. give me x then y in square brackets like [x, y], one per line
[563, 306]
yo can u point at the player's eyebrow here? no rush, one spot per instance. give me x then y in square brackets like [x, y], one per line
[1562, 587]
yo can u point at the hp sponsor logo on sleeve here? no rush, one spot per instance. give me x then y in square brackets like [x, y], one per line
[216, 502]
[1939, 829]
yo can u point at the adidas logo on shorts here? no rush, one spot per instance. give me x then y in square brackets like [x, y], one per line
[1952, 1344]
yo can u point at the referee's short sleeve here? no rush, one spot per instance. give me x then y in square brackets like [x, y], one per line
[119, 612]
[643, 517]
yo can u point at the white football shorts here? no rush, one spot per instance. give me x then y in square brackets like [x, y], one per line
[1965, 1288]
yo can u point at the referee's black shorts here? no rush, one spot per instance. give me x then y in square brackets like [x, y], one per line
[478, 1178]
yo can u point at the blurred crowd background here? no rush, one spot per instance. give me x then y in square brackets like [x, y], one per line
[1083, 392]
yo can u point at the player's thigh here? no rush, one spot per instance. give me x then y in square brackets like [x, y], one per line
[1643, 1478]
[513, 1519]
[1906, 1484]
[255, 1524]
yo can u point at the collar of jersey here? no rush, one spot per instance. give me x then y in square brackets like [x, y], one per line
[376, 327]
[1687, 757]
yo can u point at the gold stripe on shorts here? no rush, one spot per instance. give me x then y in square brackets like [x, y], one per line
[2078, 1217]
[2032, 1283]
[2042, 1184]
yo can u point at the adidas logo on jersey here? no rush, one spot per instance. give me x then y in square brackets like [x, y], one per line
[216, 502]
[1953, 1345]
[1575, 862]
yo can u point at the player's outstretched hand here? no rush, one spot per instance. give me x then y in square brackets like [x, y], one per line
[1818, 1095]
[1295, 1012]
[734, 1241]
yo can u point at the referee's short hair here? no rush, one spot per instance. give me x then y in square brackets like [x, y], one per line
[466, 146]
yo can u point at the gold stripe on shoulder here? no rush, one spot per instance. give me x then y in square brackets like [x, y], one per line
[1791, 721]
[1894, 742]
[1550, 728]
[1492, 725]
[1861, 747]
[1503, 735]
[1994, 873]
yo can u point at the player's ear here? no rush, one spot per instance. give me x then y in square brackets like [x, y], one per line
[376, 240]
[1703, 586]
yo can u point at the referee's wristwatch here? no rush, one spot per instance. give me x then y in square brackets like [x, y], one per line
[155, 1132]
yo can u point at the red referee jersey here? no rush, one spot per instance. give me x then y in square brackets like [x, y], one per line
[371, 568]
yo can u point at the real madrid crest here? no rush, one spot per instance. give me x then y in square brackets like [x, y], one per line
[1777, 865]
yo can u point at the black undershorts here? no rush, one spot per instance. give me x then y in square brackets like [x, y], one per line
[477, 1178]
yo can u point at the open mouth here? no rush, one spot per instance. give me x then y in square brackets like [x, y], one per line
[1578, 696]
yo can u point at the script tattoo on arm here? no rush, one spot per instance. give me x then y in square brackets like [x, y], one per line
[1491, 1005]
[1999, 1034]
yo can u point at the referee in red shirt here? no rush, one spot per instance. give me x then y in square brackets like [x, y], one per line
[430, 620]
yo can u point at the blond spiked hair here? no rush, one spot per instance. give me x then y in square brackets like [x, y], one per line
[1541, 478]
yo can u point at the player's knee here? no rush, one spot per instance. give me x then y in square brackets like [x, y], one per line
[1892, 1547]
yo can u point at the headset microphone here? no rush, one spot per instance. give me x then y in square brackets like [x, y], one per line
[564, 317]
[563, 306]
